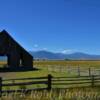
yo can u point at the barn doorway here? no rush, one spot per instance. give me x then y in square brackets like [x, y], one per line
[21, 65]
[21, 60]
[3, 62]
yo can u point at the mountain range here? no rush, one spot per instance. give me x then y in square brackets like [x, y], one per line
[60, 56]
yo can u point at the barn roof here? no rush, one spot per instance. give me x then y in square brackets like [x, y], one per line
[5, 33]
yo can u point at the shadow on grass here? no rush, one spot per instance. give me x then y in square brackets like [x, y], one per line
[18, 69]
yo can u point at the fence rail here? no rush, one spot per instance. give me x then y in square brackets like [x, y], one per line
[25, 78]
[50, 82]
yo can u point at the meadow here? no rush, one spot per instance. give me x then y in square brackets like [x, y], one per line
[57, 69]
[67, 94]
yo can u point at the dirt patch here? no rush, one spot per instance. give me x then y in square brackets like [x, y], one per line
[7, 74]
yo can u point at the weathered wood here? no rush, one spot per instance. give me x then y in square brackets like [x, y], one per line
[25, 83]
[25, 78]
[78, 71]
[92, 80]
[49, 82]
[0, 86]
[76, 77]
[71, 83]
[73, 79]
[89, 71]
[16, 54]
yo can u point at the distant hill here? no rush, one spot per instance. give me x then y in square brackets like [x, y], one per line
[60, 56]
[3, 58]
[46, 55]
[74, 56]
[83, 56]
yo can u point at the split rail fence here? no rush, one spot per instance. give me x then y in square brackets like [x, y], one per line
[48, 83]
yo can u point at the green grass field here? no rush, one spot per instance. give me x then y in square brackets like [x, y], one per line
[67, 94]
[53, 67]
[56, 68]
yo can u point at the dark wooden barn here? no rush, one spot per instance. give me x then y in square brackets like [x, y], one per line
[17, 56]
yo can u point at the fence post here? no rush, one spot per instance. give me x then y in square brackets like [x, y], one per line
[68, 69]
[79, 71]
[92, 79]
[0, 86]
[49, 82]
[89, 71]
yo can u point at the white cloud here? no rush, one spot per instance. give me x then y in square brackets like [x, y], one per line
[67, 51]
[35, 45]
[45, 49]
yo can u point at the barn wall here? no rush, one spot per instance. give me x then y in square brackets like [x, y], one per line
[14, 52]
[27, 60]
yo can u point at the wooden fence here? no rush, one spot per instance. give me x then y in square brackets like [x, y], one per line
[76, 70]
[50, 82]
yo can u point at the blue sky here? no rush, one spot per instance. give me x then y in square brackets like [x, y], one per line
[56, 25]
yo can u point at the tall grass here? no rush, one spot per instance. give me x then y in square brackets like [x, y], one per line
[66, 94]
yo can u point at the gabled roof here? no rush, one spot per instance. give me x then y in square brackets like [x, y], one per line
[5, 33]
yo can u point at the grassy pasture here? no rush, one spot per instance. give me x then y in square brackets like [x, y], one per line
[67, 94]
[56, 68]
[80, 63]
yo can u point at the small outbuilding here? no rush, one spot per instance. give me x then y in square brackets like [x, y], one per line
[17, 56]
